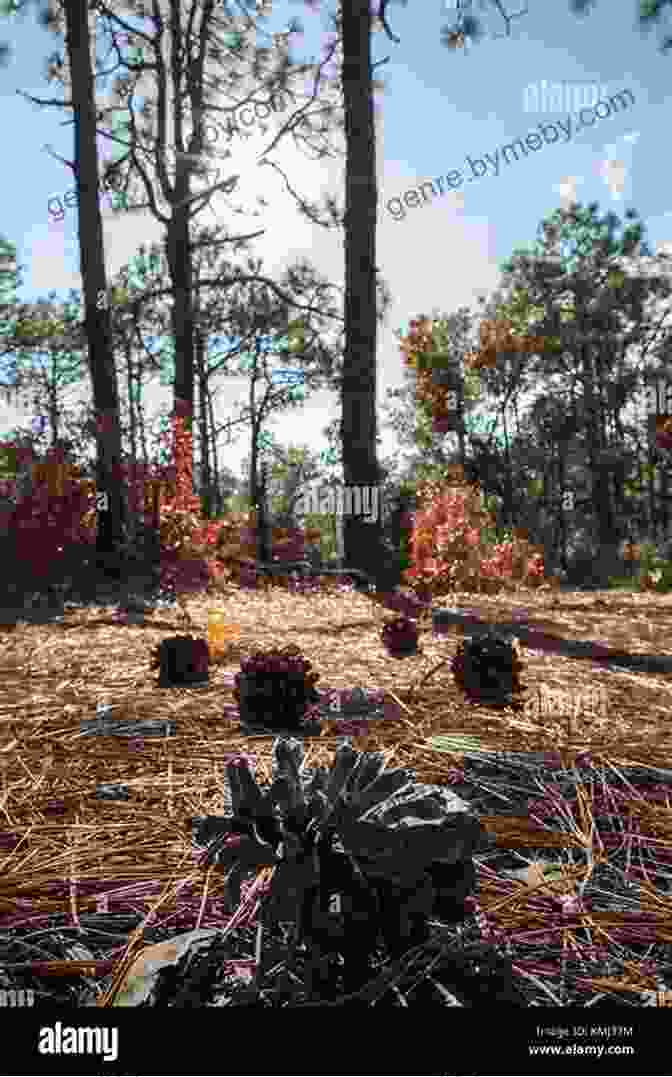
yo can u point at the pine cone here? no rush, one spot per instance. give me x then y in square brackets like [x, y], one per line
[486, 668]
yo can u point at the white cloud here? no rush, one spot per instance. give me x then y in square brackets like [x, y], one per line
[48, 260]
[615, 168]
[566, 188]
[614, 173]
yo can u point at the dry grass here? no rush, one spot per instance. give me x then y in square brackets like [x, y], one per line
[61, 861]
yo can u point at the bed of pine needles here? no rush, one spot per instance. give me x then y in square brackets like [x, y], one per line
[573, 904]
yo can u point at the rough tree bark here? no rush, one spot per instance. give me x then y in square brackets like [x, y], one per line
[362, 541]
[112, 518]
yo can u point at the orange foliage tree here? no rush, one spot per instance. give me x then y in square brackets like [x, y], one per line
[452, 542]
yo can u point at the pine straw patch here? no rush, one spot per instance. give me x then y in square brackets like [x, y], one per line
[573, 799]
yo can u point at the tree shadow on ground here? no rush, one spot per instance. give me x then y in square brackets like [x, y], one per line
[534, 639]
[96, 588]
[77, 578]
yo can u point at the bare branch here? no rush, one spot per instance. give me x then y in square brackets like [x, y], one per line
[386, 27]
[69, 164]
[310, 211]
[117, 21]
[230, 239]
[255, 278]
[229, 182]
[508, 18]
[297, 117]
[42, 101]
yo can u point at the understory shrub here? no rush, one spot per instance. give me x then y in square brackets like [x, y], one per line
[323, 528]
[236, 545]
[583, 569]
[450, 547]
[654, 572]
[400, 501]
[54, 522]
[50, 518]
[55, 511]
[640, 566]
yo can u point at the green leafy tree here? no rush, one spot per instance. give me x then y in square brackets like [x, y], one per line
[454, 337]
[585, 287]
[469, 27]
[293, 468]
[10, 281]
[650, 13]
[48, 356]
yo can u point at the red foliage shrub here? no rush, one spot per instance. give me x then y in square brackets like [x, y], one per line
[449, 550]
[59, 514]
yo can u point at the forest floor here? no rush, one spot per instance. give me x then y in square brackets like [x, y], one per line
[573, 789]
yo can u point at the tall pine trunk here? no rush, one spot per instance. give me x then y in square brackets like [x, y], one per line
[112, 518]
[181, 314]
[362, 541]
[214, 470]
[178, 240]
[205, 474]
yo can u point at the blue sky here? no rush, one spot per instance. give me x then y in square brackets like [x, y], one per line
[438, 106]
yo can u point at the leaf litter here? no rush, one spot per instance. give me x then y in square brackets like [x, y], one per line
[109, 903]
